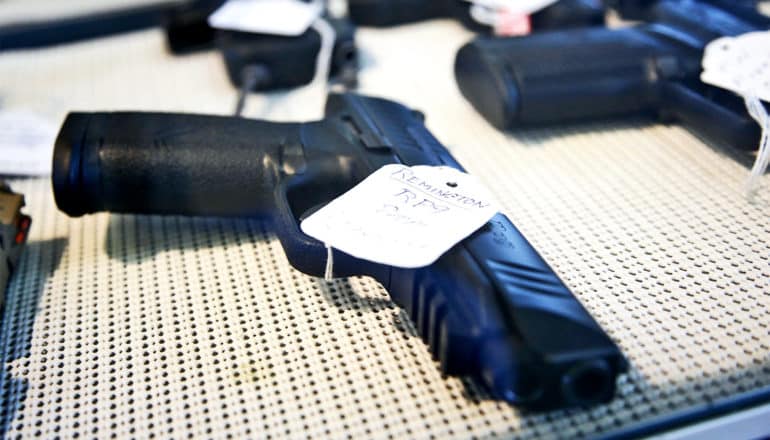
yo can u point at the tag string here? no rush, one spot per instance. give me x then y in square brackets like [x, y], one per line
[252, 76]
[758, 112]
[329, 271]
[324, 59]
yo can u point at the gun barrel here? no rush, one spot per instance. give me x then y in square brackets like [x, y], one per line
[493, 308]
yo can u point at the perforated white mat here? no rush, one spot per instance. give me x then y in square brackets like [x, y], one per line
[131, 326]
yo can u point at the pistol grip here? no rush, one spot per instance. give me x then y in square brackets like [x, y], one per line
[162, 163]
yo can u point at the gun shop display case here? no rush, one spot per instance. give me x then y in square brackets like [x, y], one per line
[173, 327]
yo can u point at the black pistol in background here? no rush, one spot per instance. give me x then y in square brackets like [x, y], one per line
[286, 61]
[281, 61]
[383, 13]
[490, 308]
[647, 69]
[14, 228]
[289, 61]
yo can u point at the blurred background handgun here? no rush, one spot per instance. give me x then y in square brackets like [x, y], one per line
[383, 13]
[288, 61]
[652, 68]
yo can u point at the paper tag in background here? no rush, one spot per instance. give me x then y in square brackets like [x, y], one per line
[740, 64]
[289, 18]
[507, 18]
[514, 6]
[403, 216]
[26, 143]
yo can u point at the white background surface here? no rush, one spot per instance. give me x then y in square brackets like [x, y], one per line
[126, 326]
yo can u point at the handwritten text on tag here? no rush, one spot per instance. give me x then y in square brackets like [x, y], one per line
[403, 216]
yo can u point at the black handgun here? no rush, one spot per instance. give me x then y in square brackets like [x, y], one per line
[286, 61]
[651, 69]
[490, 308]
[14, 228]
[289, 61]
[282, 61]
[383, 13]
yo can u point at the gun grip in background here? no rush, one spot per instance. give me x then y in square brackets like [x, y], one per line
[290, 61]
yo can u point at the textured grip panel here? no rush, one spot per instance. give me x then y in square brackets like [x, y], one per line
[158, 163]
[566, 75]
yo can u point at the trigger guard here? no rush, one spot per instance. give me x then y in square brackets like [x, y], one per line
[305, 253]
[308, 255]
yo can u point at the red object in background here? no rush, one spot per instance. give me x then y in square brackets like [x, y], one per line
[513, 24]
[24, 223]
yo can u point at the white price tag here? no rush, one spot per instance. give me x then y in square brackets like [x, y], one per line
[507, 18]
[740, 64]
[403, 216]
[26, 143]
[289, 18]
